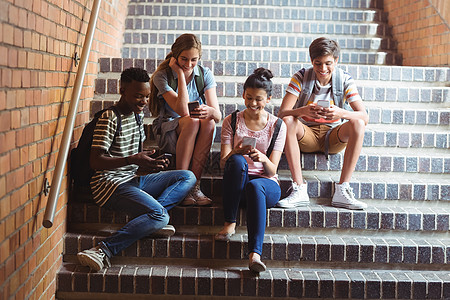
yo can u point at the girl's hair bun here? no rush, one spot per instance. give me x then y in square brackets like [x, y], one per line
[264, 73]
[260, 79]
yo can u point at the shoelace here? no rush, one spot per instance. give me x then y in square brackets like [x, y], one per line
[350, 193]
[102, 255]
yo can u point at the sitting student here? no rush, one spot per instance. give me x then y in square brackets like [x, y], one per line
[323, 112]
[250, 173]
[184, 132]
[115, 185]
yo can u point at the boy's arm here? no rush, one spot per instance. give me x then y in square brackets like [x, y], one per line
[100, 161]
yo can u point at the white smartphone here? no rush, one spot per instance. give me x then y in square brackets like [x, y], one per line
[324, 103]
[248, 140]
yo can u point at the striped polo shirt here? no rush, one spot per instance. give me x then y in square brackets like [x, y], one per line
[105, 182]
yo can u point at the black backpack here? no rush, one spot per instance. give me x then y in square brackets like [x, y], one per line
[274, 136]
[80, 169]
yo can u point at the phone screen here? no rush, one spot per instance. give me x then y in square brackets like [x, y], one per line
[193, 105]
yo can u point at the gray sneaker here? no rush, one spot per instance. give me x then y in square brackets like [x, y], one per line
[94, 258]
[297, 197]
[344, 197]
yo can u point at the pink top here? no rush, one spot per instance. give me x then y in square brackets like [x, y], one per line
[263, 138]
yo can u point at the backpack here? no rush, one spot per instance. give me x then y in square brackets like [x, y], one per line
[199, 82]
[274, 136]
[80, 169]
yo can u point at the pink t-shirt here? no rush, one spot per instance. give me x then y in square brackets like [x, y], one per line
[263, 138]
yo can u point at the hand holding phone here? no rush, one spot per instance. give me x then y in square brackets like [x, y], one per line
[192, 106]
[164, 156]
[249, 141]
[323, 103]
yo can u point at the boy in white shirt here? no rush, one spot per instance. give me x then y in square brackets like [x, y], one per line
[323, 112]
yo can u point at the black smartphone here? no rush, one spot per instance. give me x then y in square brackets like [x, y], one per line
[193, 105]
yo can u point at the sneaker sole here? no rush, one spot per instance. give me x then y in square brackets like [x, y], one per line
[347, 206]
[164, 232]
[298, 204]
[86, 260]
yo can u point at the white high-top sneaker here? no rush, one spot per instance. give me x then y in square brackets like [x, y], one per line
[344, 197]
[297, 197]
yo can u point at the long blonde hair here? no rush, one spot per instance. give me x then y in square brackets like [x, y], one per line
[184, 42]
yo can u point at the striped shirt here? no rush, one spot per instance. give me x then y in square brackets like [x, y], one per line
[323, 93]
[105, 182]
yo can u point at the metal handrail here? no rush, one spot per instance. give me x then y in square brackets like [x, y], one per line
[70, 121]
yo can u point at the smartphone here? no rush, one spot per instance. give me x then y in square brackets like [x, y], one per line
[193, 105]
[248, 140]
[324, 103]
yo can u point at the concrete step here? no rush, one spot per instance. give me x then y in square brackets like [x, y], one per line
[136, 281]
[383, 218]
[371, 159]
[292, 249]
[229, 11]
[362, 4]
[110, 68]
[377, 91]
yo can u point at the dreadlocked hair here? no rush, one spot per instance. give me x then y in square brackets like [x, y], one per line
[184, 42]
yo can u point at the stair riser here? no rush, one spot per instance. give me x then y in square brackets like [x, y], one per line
[242, 283]
[293, 250]
[354, 44]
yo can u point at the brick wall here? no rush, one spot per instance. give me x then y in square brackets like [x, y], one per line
[422, 29]
[37, 40]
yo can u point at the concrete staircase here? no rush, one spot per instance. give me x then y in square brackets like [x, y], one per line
[398, 248]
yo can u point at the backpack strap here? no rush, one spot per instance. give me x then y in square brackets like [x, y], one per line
[119, 121]
[307, 87]
[337, 86]
[274, 137]
[200, 83]
[233, 120]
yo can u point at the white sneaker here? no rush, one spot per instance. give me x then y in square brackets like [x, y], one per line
[344, 197]
[166, 231]
[297, 197]
[94, 258]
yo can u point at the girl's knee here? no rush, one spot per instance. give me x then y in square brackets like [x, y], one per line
[189, 124]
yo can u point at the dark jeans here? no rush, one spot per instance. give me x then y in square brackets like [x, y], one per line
[146, 199]
[259, 194]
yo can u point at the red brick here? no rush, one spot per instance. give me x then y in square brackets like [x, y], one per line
[2, 100]
[18, 37]
[6, 77]
[12, 57]
[5, 121]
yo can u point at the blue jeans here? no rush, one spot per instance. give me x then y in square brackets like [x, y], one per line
[259, 193]
[146, 199]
